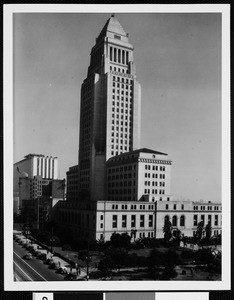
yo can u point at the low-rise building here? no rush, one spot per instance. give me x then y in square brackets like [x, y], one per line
[140, 219]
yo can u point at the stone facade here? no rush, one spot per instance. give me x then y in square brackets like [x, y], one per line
[110, 107]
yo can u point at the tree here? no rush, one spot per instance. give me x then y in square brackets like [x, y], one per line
[177, 237]
[115, 239]
[171, 259]
[119, 258]
[208, 230]
[133, 234]
[167, 229]
[120, 240]
[155, 260]
[204, 256]
[106, 265]
[200, 231]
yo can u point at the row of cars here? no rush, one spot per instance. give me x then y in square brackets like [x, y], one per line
[34, 250]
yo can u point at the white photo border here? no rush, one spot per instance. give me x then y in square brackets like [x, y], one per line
[9, 283]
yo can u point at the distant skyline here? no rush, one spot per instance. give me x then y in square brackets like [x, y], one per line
[178, 63]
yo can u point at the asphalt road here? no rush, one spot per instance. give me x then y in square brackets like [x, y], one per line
[31, 270]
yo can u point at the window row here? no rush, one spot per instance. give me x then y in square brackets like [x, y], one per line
[202, 220]
[154, 191]
[155, 175]
[118, 55]
[123, 80]
[154, 183]
[175, 206]
[174, 220]
[132, 206]
[124, 218]
[122, 85]
[155, 168]
[204, 207]
[118, 116]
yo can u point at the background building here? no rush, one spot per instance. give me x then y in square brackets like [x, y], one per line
[35, 165]
[37, 197]
[72, 183]
[30, 174]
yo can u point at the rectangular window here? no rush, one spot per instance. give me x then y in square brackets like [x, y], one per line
[133, 220]
[203, 219]
[142, 220]
[114, 221]
[167, 206]
[209, 219]
[195, 220]
[124, 221]
[216, 220]
[150, 220]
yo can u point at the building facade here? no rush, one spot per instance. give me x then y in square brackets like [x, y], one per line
[140, 175]
[37, 197]
[72, 183]
[35, 165]
[139, 219]
[110, 107]
[26, 173]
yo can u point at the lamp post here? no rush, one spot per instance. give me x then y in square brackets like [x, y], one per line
[88, 259]
[52, 239]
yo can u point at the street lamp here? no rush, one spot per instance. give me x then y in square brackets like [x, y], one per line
[88, 259]
[52, 240]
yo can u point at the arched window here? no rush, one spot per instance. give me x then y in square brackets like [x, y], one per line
[166, 219]
[174, 221]
[182, 221]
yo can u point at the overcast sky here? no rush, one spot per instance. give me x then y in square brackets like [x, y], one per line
[178, 63]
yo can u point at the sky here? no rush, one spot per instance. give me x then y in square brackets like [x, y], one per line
[178, 64]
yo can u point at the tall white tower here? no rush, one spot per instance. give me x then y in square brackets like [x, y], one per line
[110, 108]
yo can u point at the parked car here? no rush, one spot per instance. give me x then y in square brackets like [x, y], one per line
[70, 276]
[54, 265]
[62, 270]
[28, 256]
[49, 261]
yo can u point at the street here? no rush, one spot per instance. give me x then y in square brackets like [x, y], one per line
[31, 270]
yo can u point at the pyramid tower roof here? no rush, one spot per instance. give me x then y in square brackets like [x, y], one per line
[112, 25]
